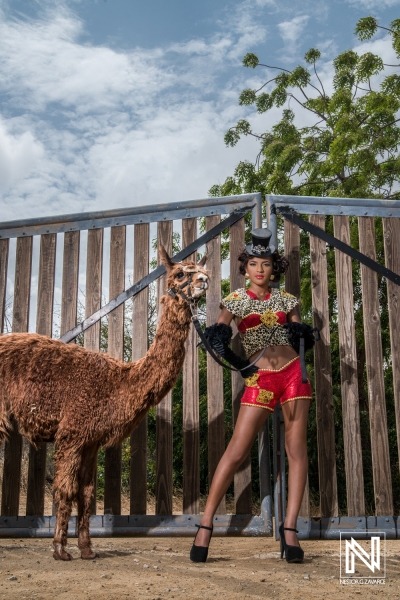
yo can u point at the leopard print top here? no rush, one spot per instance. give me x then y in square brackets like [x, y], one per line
[261, 318]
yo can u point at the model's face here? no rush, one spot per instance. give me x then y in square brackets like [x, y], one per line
[260, 270]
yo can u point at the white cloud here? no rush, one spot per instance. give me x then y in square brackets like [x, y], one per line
[19, 153]
[291, 32]
[378, 4]
[102, 128]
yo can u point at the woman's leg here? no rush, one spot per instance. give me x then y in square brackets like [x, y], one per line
[248, 424]
[295, 414]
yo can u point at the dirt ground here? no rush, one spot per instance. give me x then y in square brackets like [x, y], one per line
[158, 568]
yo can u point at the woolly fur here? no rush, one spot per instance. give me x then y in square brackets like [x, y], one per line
[83, 400]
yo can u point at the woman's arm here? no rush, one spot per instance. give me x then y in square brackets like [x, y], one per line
[294, 315]
[225, 316]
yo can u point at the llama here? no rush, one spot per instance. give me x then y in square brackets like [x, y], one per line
[82, 400]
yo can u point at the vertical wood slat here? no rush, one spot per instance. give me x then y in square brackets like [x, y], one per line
[242, 479]
[70, 279]
[191, 416]
[323, 376]
[13, 446]
[391, 233]
[113, 456]
[292, 285]
[375, 379]
[164, 408]
[215, 383]
[4, 246]
[292, 253]
[348, 373]
[138, 465]
[94, 273]
[69, 293]
[44, 326]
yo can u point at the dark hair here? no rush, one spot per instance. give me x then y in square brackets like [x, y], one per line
[280, 263]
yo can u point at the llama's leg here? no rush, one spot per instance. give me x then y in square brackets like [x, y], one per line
[67, 463]
[60, 531]
[85, 495]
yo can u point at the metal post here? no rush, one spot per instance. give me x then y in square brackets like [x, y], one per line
[257, 212]
[271, 221]
[265, 476]
[279, 469]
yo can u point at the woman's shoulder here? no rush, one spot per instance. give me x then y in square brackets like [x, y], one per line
[288, 300]
[285, 294]
[236, 302]
[236, 295]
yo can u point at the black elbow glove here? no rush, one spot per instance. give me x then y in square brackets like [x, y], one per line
[219, 336]
[302, 330]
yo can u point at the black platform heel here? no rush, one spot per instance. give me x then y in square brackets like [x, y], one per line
[293, 554]
[200, 553]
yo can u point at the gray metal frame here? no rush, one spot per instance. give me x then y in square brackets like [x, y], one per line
[324, 528]
[133, 215]
[184, 526]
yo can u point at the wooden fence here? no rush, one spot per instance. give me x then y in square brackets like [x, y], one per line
[351, 371]
[91, 227]
[136, 224]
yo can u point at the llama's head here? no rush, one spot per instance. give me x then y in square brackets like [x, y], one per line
[186, 278]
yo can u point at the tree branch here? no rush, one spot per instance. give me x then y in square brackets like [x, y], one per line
[315, 71]
[307, 108]
[270, 67]
[266, 83]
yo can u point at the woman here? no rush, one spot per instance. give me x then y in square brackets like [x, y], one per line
[260, 313]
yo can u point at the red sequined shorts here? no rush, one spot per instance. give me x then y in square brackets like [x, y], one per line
[270, 386]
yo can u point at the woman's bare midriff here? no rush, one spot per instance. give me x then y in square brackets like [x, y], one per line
[275, 357]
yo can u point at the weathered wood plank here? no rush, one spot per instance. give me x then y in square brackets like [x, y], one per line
[391, 232]
[13, 446]
[323, 376]
[4, 246]
[94, 273]
[191, 416]
[69, 293]
[70, 277]
[292, 285]
[113, 456]
[94, 279]
[164, 409]
[215, 384]
[44, 326]
[292, 253]
[242, 479]
[138, 466]
[348, 373]
[375, 379]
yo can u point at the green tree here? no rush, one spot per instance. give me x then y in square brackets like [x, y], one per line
[351, 150]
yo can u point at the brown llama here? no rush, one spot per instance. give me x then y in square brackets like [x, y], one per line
[82, 400]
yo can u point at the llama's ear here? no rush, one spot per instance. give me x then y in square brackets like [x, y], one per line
[203, 260]
[165, 259]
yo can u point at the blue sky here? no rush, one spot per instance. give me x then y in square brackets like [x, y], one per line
[124, 102]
